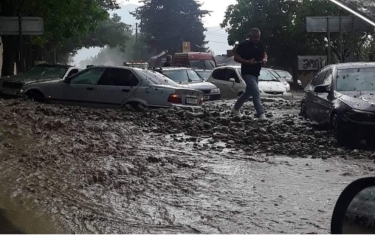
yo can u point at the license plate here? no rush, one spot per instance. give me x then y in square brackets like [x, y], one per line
[191, 101]
[206, 97]
[8, 92]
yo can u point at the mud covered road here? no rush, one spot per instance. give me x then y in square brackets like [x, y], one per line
[77, 170]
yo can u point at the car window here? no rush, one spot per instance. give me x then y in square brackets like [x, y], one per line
[356, 79]
[45, 71]
[209, 64]
[219, 74]
[72, 72]
[118, 77]
[318, 79]
[156, 77]
[230, 73]
[197, 64]
[183, 75]
[266, 75]
[328, 77]
[89, 76]
[204, 74]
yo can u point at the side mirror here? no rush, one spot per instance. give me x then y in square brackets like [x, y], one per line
[322, 89]
[232, 80]
[354, 211]
[67, 80]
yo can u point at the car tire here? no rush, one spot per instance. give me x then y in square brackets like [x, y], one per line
[343, 133]
[36, 96]
[135, 106]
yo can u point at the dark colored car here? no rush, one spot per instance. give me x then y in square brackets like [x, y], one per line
[13, 86]
[343, 96]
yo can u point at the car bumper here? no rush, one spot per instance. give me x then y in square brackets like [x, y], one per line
[287, 96]
[6, 92]
[210, 97]
[361, 129]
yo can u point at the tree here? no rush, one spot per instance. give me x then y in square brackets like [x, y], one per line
[166, 24]
[63, 20]
[283, 26]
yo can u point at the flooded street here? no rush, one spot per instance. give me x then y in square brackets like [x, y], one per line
[77, 170]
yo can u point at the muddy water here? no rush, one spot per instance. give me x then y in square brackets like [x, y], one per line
[75, 171]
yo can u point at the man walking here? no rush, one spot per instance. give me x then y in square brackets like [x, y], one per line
[251, 55]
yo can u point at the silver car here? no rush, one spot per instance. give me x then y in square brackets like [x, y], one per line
[116, 87]
[205, 74]
[191, 78]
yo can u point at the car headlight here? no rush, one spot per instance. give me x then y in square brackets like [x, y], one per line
[360, 116]
[287, 87]
[215, 91]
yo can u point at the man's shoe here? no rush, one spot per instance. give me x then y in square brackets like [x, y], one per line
[236, 112]
[263, 118]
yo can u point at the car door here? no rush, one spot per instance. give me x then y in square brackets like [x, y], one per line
[232, 88]
[218, 79]
[310, 95]
[81, 87]
[323, 101]
[116, 86]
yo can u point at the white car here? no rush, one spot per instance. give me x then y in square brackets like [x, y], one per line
[229, 80]
[107, 86]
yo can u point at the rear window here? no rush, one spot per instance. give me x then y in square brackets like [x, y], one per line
[202, 64]
[156, 78]
[183, 75]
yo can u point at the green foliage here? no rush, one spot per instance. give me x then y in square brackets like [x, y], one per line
[283, 26]
[166, 24]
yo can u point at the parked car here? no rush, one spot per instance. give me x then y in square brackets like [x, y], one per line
[14, 85]
[205, 74]
[192, 79]
[229, 80]
[106, 86]
[281, 79]
[343, 96]
[288, 77]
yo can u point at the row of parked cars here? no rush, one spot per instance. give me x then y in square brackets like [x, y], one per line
[129, 85]
[341, 96]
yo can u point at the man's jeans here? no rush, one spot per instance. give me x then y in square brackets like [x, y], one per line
[252, 90]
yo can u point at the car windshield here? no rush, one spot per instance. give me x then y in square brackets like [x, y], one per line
[183, 75]
[284, 74]
[204, 74]
[356, 79]
[156, 78]
[266, 75]
[46, 72]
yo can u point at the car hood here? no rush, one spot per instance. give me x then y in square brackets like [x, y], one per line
[361, 100]
[27, 80]
[272, 86]
[202, 86]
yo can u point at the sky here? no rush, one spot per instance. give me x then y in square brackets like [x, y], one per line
[218, 8]
[217, 37]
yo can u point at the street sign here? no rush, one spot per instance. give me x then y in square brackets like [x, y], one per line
[30, 26]
[321, 24]
[186, 47]
[311, 63]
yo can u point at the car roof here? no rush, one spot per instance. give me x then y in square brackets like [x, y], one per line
[354, 65]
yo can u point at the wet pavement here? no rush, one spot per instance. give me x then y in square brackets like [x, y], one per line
[76, 170]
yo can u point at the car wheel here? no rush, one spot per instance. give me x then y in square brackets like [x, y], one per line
[135, 106]
[36, 96]
[343, 133]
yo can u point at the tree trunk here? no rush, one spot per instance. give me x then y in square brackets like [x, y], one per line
[8, 56]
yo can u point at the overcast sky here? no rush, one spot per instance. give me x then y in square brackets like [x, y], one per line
[217, 7]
